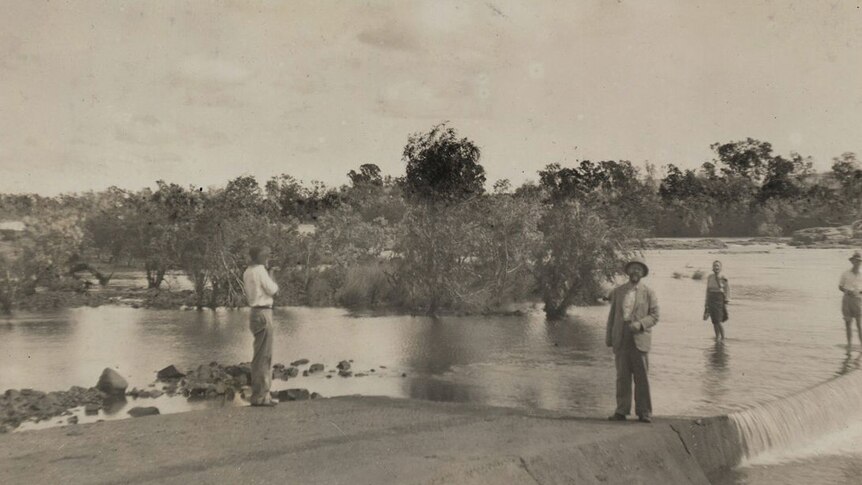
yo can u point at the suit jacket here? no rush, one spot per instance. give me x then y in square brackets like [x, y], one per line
[645, 314]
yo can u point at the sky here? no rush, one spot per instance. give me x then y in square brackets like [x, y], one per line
[102, 93]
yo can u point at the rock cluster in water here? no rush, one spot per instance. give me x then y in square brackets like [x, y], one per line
[212, 381]
[17, 406]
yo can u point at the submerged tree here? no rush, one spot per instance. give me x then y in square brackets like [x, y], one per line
[435, 245]
[583, 244]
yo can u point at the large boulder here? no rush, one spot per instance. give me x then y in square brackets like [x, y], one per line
[168, 373]
[112, 383]
[137, 412]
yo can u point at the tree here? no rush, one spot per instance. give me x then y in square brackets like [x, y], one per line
[747, 158]
[369, 174]
[579, 251]
[441, 167]
[584, 242]
[847, 172]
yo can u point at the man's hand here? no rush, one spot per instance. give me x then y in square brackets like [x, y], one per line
[635, 327]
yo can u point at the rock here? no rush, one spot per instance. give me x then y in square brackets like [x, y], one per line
[315, 368]
[245, 392]
[293, 395]
[292, 372]
[156, 393]
[329, 376]
[111, 382]
[315, 395]
[134, 392]
[239, 372]
[305, 373]
[138, 412]
[220, 387]
[169, 372]
[382, 366]
[73, 420]
[299, 362]
[360, 375]
[372, 370]
[345, 373]
[343, 365]
[403, 374]
[91, 409]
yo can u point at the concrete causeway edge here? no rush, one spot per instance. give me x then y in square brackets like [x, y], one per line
[373, 440]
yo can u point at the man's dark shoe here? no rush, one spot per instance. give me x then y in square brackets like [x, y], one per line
[617, 417]
[645, 418]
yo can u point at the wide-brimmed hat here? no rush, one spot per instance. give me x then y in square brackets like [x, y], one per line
[857, 256]
[640, 261]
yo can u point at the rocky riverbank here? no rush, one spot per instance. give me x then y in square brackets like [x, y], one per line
[205, 382]
[835, 237]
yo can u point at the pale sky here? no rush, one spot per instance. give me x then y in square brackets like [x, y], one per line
[94, 94]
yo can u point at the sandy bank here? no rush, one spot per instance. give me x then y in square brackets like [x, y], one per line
[371, 440]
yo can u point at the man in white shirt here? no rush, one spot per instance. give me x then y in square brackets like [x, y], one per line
[851, 304]
[633, 313]
[259, 289]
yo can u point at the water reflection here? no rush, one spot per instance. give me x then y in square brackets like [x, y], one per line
[717, 372]
[575, 334]
[850, 363]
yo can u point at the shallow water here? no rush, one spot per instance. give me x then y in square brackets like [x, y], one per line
[785, 334]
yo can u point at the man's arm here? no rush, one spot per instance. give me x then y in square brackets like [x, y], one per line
[270, 287]
[841, 286]
[609, 340]
[651, 319]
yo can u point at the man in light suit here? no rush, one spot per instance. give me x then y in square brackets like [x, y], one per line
[634, 311]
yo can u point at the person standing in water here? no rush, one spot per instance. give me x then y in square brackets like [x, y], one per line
[259, 289]
[851, 304]
[717, 297]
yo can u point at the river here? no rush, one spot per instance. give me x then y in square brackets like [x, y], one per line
[785, 334]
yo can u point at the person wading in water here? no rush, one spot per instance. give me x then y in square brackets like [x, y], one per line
[717, 297]
[851, 304]
[259, 289]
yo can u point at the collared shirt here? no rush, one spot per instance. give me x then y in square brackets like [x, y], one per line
[259, 286]
[629, 302]
[851, 281]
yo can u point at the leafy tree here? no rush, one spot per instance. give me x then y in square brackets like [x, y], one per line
[747, 158]
[369, 174]
[441, 167]
[579, 251]
[580, 247]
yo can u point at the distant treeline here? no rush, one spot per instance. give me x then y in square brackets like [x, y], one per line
[432, 240]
